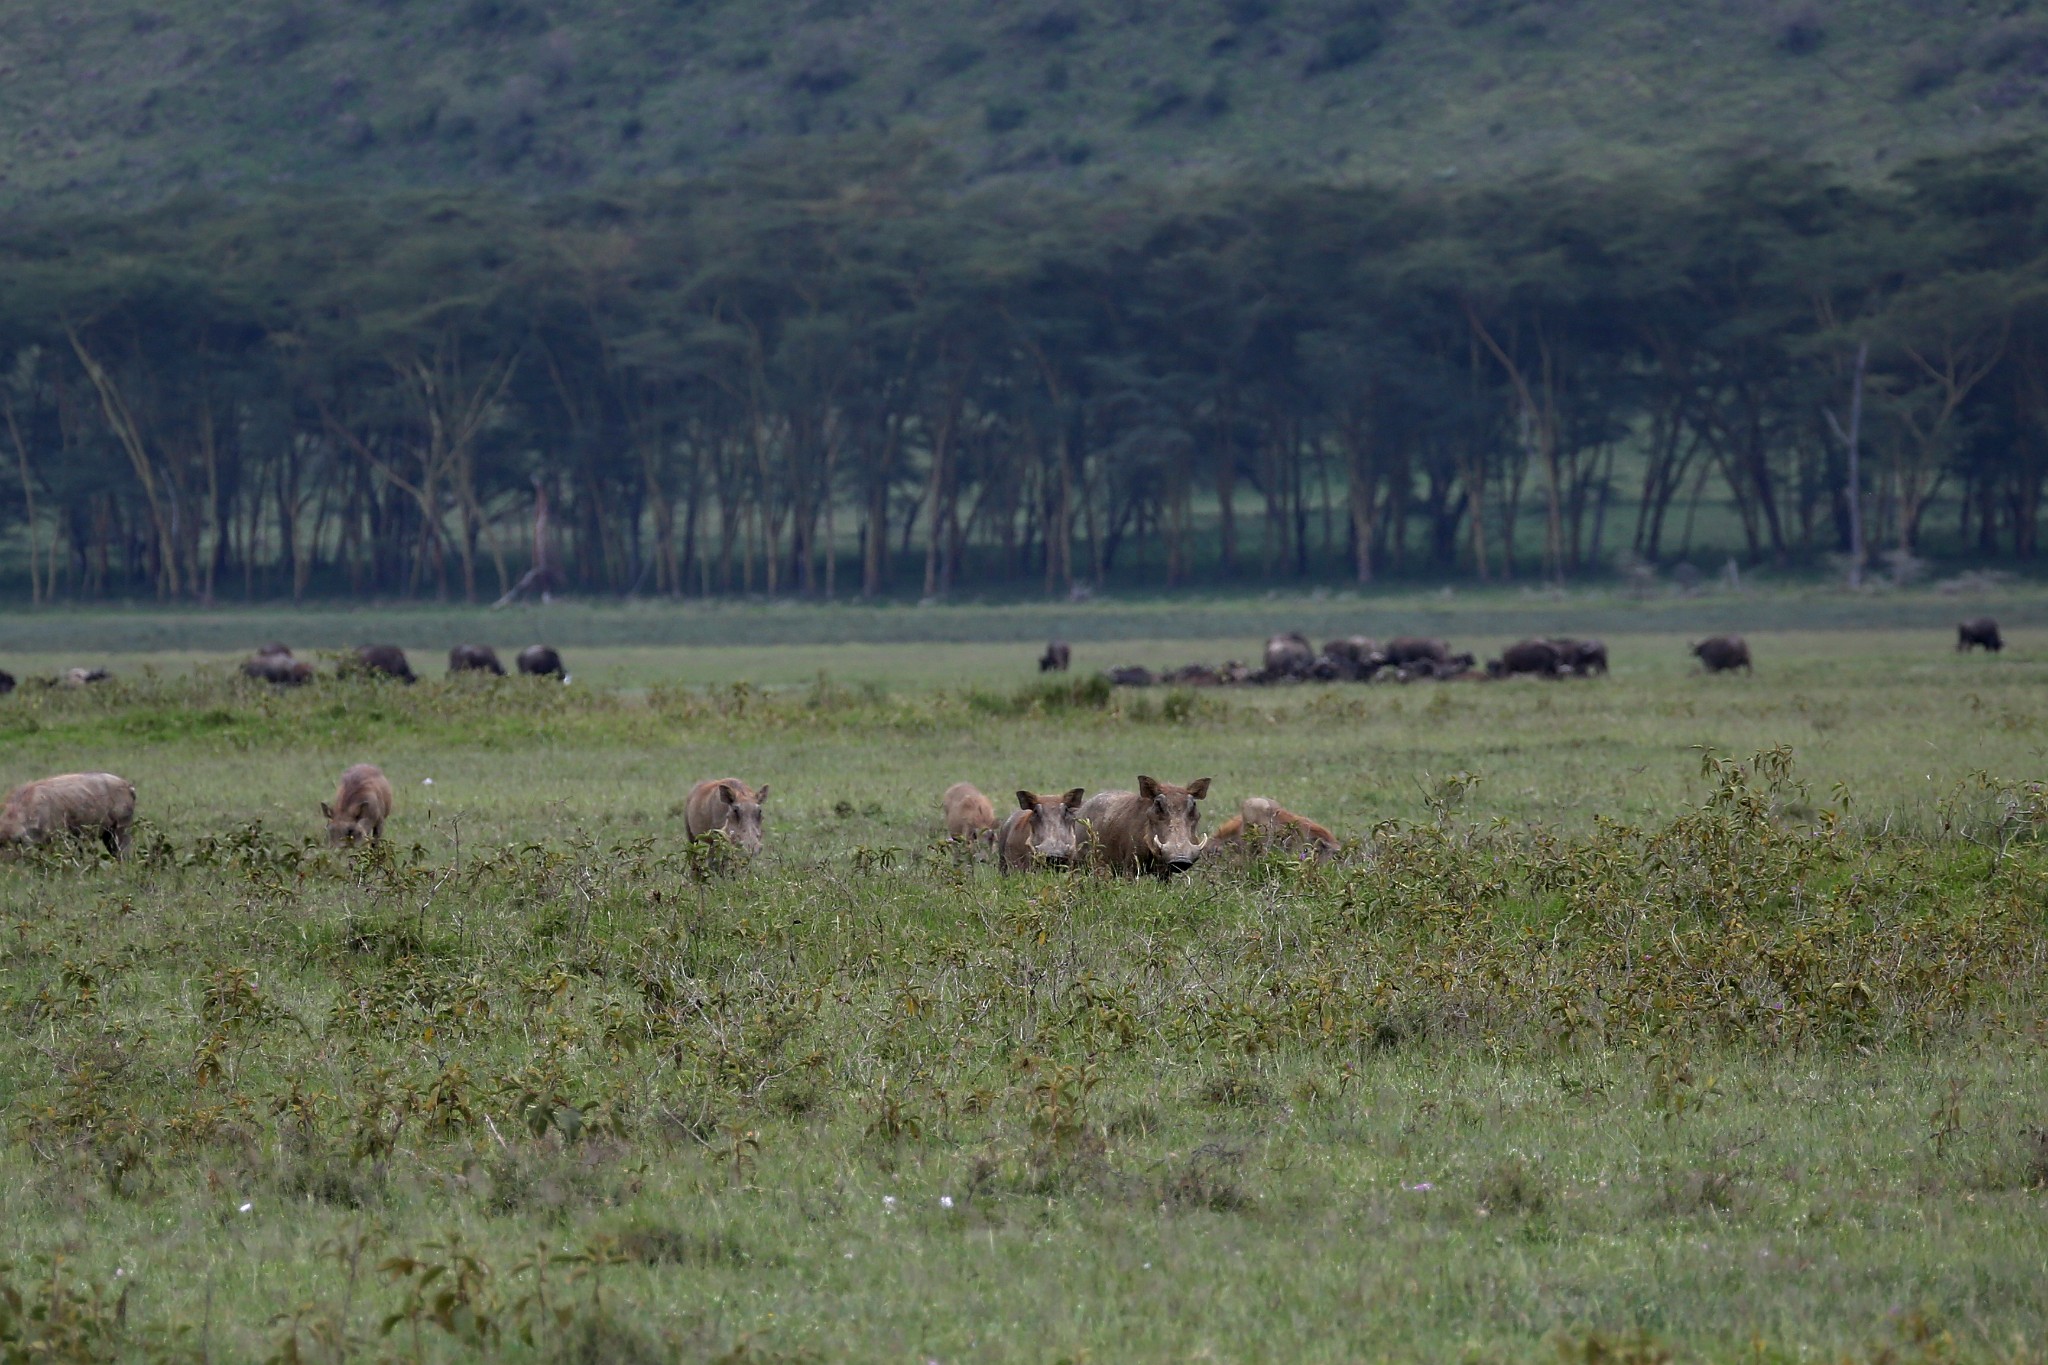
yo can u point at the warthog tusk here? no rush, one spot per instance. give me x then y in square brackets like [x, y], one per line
[1202, 845]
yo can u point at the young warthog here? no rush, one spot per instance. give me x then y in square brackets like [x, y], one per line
[1150, 830]
[81, 805]
[361, 805]
[1040, 830]
[729, 806]
[1979, 630]
[1723, 653]
[969, 814]
[1262, 823]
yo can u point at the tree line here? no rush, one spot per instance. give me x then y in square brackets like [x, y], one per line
[843, 375]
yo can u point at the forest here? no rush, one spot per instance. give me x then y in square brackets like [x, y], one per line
[834, 372]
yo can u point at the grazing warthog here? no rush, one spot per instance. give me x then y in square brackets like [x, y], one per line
[388, 660]
[1979, 630]
[74, 805]
[1540, 657]
[1151, 830]
[541, 661]
[1721, 653]
[1289, 655]
[1057, 657]
[1262, 823]
[729, 806]
[475, 659]
[969, 814]
[1040, 830]
[1408, 649]
[1584, 657]
[361, 805]
[281, 669]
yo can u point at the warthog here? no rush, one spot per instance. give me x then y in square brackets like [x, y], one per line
[74, 805]
[1408, 649]
[1979, 630]
[1583, 657]
[1289, 655]
[475, 659]
[728, 806]
[541, 661]
[388, 660]
[1131, 675]
[969, 814]
[1057, 657]
[1721, 653]
[1040, 830]
[1151, 830]
[1540, 657]
[281, 669]
[1262, 823]
[361, 805]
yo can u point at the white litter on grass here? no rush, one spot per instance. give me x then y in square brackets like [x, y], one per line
[250, 1205]
[426, 782]
[945, 1201]
[888, 1201]
[1420, 1187]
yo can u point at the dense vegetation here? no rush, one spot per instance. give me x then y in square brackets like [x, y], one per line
[1595, 1043]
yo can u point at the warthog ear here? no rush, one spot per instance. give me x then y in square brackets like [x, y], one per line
[725, 789]
[761, 795]
[1026, 800]
[327, 810]
[1199, 789]
[1148, 787]
[1073, 798]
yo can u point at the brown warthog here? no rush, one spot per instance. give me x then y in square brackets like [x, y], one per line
[969, 814]
[1262, 823]
[1151, 830]
[361, 805]
[541, 661]
[475, 659]
[74, 805]
[728, 806]
[1057, 657]
[1722, 653]
[1979, 630]
[1040, 830]
[388, 660]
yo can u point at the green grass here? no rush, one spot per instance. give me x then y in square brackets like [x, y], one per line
[120, 103]
[1757, 1073]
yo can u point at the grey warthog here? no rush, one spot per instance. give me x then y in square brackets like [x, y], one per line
[1040, 830]
[475, 659]
[73, 805]
[361, 805]
[1057, 658]
[1151, 830]
[1262, 823]
[1979, 630]
[388, 660]
[969, 814]
[541, 661]
[1721, 653]
[728, 806]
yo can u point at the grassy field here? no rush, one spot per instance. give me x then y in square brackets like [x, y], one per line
[1706, 1023]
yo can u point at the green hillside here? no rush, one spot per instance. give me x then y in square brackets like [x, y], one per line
[119, 102]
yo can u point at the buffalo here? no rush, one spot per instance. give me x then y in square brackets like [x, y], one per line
[281, 669]
[1723, 653]
[384, 661]
[541, 661]
[6, 682]
[1583, 657]
[1262, 823]
[1040, 830]
[74, 805]
[1541, 658]
[83, 677]
[969, 814]
[1058, 657]
[1408, 649]
[1151, 830]
[361, 805]
[474, 659]
[1289, 656]
[1979, 630]
[728, 806]
[1131, 675]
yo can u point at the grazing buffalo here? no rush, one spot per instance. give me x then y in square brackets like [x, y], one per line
[6, 682]
[1408, 649]
[1538, 657]
[274, 647]
[728, 806]
[1040, 830]
[1721, 653]
[1192, 675]
[281, 669]
[1262, 823]
[361, 805]
[1131, 675]
[1151, 830]
[1979, 630]
[474, 659]
[1583, 657]
[1057, 658]
[969, 814]
[1289, 656]
[541, 661]
[386, 660]
[74, 805]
